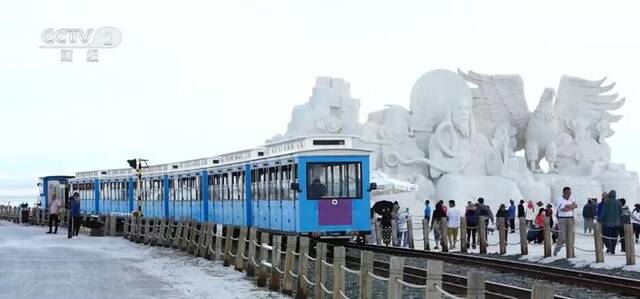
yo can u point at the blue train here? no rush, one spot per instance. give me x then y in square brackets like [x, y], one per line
[310, 185]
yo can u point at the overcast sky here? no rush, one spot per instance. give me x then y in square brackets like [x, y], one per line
[197, 79]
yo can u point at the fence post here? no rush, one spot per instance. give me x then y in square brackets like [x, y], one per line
[541, 291]
[475, 285]
[262, 269]
[396, 265]
[319, 273]
[114, 225]
[184, 238]
[502, 235]
[524, 244]
[339, 260]
[598, 244]
[482, 234]
[228, 244]
[366, 281]
[425, 233]
[202, 240]
[629, 243]
[303, 288]
[251, 270]
[206, 253]
[434, 278]
[107, 224]
[219, 236]
[378, 227]
[463, 234]
[275, 263]
[444, 236]
[410, 233]
[289, 259]
[147, 224]
[125, 233]
[193, 233]
[394, 233]
[240, 249]
[547, 237]
[570, 236]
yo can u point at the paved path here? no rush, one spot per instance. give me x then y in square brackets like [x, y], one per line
[37, 265]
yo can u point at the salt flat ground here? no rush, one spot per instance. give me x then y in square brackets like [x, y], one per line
[37, 265]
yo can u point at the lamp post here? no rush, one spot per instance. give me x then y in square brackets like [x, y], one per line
[136, 164]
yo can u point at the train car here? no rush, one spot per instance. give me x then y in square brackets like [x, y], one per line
[50, 186]
[316, 185]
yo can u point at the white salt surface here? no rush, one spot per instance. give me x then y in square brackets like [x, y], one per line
[37, 265]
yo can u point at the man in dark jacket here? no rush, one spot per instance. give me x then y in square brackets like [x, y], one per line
[74, 210]
[511, 214]
[588, 213]
[611, 211]
[521, 211]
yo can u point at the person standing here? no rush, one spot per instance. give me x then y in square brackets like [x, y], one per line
[625, 218]
[485, 210]
[599, 206]
[588, 213]
[427, 210]
[472, 224]
[54, 207]
[530, 212]
[394, 217]
[511, 212]
[521, 209]
[439, 215]
[453, 224]
[403, 235]
[635, 220]
[502, 213]
[74, 209]
[565, 205]
[611, 212]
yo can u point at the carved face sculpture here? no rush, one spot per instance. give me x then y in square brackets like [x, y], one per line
[461, 117]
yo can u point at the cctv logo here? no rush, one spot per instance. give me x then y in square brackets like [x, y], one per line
[72, 38]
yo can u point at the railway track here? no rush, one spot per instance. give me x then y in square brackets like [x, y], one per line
[614, 284]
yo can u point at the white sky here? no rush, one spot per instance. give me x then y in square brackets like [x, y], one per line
[216, 76]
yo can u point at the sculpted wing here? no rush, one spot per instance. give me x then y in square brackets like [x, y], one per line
[587, 100]
[499, 100]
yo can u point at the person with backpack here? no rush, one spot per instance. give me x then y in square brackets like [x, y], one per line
[610, 219]
[472, 224]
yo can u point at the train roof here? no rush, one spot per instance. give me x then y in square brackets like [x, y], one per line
[325, 144]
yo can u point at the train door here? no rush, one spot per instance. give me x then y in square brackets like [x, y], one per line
[196, 198]
[255, 210]
[159, 198]
[216, 197]
[211, 198]
[237, 196]
[289, 197]
[227, 203]
[172, 198]
[275, 201]
[263, 200]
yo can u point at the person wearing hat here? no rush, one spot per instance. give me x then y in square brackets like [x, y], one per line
[74, 210]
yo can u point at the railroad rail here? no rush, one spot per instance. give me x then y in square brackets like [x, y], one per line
[614, 284]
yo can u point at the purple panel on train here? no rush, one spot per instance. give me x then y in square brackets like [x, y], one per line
[334, 212]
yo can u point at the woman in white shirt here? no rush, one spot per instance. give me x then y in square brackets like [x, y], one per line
[635, 220]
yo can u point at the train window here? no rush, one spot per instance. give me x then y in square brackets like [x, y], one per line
[288, 176]
[334, 180]
[237, 179]
[254, 184]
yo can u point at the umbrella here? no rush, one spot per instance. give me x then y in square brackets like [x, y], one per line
[382, 206]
